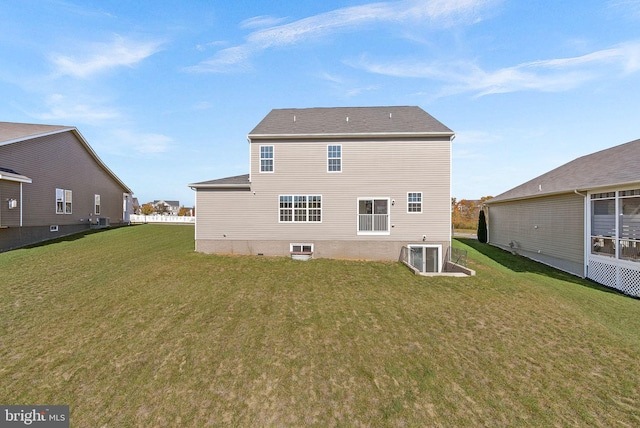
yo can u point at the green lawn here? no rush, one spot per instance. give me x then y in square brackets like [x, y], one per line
[130, 327]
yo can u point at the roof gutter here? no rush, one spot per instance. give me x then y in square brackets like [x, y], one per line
[7, 176]
[522, 198]
[561, 192]
[351, 135]
[195, 186]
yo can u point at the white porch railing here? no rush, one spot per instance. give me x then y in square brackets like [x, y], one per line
[373, 222]
[140, 218]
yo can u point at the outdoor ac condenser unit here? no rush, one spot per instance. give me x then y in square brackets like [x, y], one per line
[103, 221]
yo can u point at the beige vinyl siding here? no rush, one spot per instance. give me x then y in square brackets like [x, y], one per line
[548, 229]
[225, 214]
[377, 169]
[61, 161]
[247, 221]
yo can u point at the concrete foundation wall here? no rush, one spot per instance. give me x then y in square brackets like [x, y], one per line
[18, 237]
[363, 250]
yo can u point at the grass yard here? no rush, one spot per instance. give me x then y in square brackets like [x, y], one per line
[131, 328]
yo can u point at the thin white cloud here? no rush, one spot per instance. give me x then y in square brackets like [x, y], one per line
[214, 44]
[357, 91]
[226, 60]
[141, 143]
[65, 110]
[202, 105]
[437, 13]
[475, 137]
[471, 144]
[330, 77]
[261, 21]
[101, 56]
[554, 75]
[83, 10]
[628, 8]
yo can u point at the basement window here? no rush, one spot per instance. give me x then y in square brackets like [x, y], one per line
[301, 248]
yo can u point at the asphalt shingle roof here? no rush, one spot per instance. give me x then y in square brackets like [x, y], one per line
[619, 165]
[337, 121]
[349, 120]
[235, 181]
[10, 131]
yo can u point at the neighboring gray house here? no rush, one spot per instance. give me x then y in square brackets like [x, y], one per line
[582, 217]
[53, 184]
[359, 182]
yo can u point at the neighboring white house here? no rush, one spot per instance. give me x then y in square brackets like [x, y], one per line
[167, 207]
[354, 182]
[582, 217]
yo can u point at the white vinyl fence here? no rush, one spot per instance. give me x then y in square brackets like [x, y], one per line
[157, 218]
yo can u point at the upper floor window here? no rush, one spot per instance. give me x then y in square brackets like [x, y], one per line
[64, 200]
[266, 158]
[334, 158]
[414, 202]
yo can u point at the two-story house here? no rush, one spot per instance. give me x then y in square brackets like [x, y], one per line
[359, 182]
[167, 207]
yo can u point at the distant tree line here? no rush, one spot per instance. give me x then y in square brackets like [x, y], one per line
[465, 213]
[150, 208]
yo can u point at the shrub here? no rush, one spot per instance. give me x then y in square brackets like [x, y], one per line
[482, 228]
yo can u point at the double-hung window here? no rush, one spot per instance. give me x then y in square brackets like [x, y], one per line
[286, 208]
[300, 208]
[96, 203]
[373, 216]
[334, 158]
[64, 201]
[414, 202]
[266, 158]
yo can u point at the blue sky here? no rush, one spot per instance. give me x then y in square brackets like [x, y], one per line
[166, 92]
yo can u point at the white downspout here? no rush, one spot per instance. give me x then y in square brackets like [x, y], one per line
[486, 222]
[21, 204]
[586, 243]
[250, 173]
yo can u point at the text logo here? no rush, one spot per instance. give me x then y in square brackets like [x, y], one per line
[34, 416]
